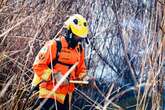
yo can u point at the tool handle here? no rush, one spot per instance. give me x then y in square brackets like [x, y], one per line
[78, 82]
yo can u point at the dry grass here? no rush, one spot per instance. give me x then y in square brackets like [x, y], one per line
[25, 25]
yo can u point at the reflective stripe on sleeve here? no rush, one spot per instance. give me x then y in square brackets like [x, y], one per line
[46, 74]
[36, 80]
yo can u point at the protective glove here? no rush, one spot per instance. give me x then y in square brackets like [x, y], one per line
[58, 76]
[90, 80]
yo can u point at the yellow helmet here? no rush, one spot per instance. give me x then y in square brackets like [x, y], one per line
[78, 25]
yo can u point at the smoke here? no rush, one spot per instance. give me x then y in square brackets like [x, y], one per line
[133, 24]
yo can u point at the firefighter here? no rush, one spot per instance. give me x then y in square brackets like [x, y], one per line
[55, 58]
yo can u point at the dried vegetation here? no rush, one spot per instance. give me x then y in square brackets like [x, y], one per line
[125, 53]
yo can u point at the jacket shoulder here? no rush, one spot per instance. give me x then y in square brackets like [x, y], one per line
[49, 45]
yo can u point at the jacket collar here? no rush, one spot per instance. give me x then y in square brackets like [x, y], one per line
[65, 43]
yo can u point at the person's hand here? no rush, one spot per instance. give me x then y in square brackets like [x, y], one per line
[91, 81]
[58, 76]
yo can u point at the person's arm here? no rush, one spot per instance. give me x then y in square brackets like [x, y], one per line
[44, 57]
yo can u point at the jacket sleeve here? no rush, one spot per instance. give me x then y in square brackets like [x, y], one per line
[44, 57]
[81, 68]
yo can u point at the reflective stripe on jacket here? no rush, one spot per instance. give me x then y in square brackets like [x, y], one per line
[43, 93]
[67, 56]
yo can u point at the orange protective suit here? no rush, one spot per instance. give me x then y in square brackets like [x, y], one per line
[43, 72]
